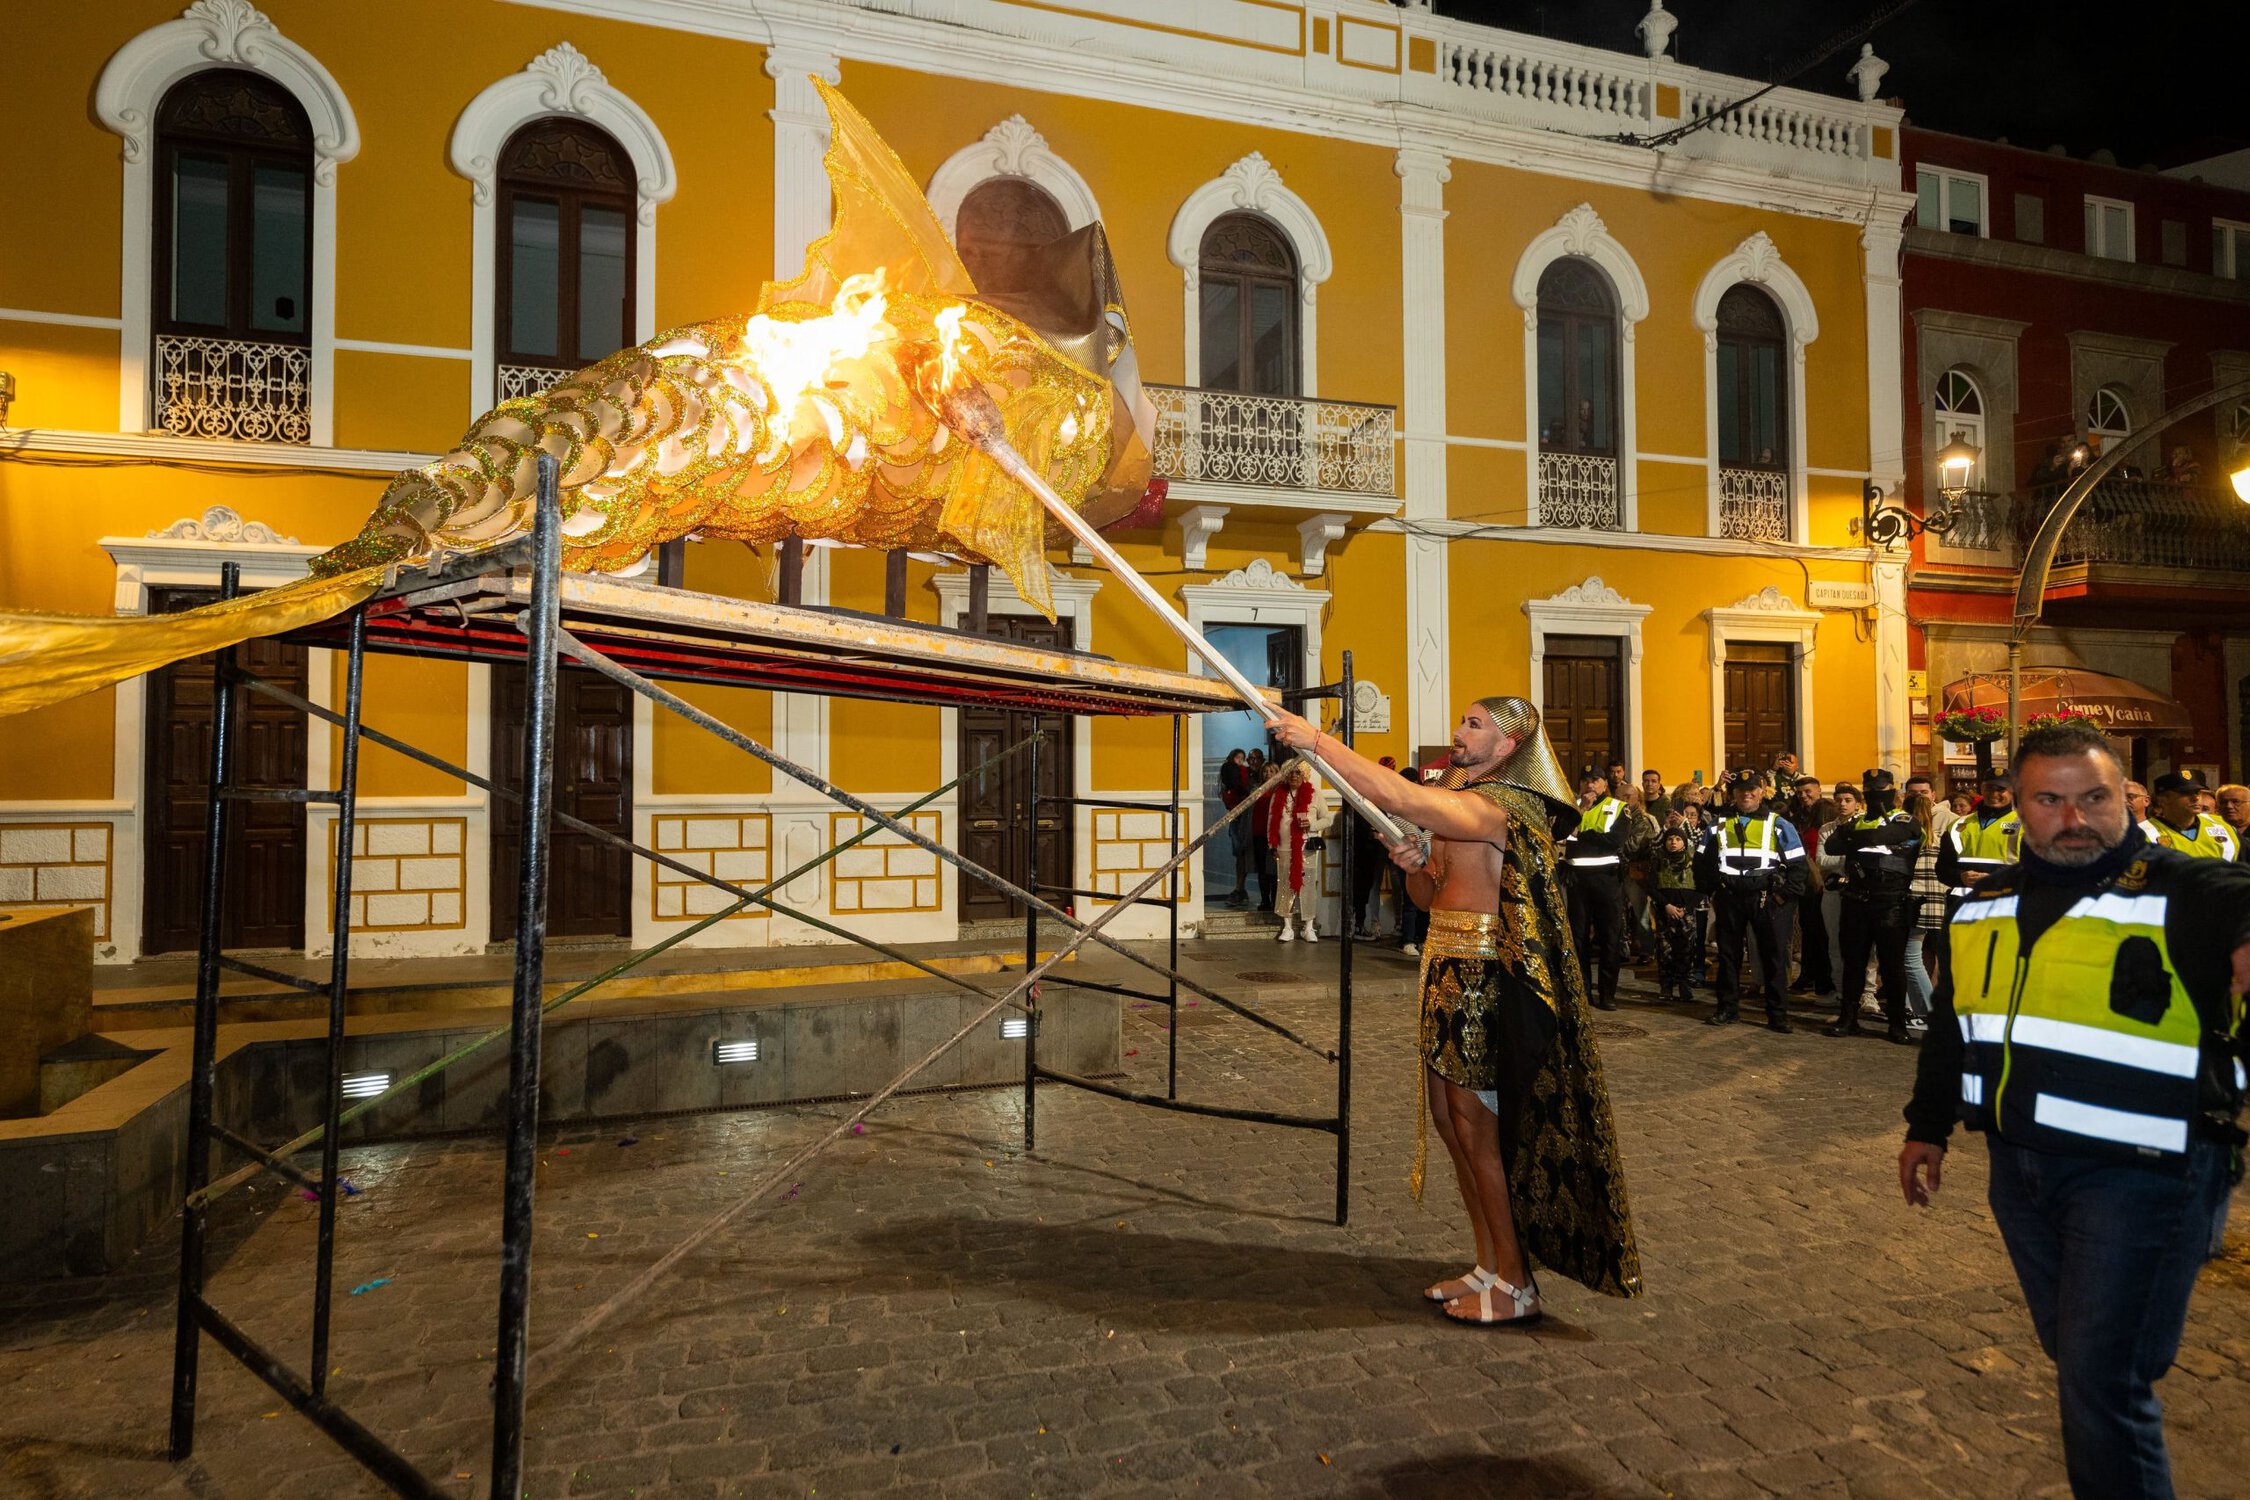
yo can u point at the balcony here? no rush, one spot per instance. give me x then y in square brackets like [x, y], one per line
[1579, 490]
[1754, 505]
[233, 389]
[513, 381]
[2147, 523]
[1275, 442]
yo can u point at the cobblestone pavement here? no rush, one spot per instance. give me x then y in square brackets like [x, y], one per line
[1152, 1304]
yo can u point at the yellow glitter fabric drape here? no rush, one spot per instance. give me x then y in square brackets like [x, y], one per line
[810, 417]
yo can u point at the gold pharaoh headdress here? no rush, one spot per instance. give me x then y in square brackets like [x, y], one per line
[1532, 764]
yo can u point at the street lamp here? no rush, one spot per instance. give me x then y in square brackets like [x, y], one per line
[2240, 479]
[1887, 525]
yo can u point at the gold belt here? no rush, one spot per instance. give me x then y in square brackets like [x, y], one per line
[1463, 934]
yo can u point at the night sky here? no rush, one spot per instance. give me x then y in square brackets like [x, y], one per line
[2157, 82]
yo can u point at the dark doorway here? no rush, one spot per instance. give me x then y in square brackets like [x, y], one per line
[1583, 702]
[590, 883]
[1270, 656]
[265, 905]
[992, 803]
[1761, 702]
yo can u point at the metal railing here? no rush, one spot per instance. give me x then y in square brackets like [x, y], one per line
[1276, 442]
[512, 381]
[2147, 523]
[1983, 522]
[1754, 505]
[233, 389]
[1579, 490]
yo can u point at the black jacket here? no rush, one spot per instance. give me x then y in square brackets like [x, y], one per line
[1878, 862]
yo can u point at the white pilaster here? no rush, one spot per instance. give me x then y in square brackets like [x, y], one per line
[1893, 750]
[1429, 692]
[1886, 462]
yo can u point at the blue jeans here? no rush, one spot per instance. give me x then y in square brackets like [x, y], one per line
[1917, 976]
[2107, 1252]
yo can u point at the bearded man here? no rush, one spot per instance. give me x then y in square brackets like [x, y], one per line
[1514, 1085]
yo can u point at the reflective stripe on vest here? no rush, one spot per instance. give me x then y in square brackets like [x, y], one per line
[2055, 1051]
[1599, 818]
[1978, 845]
[1756, 858]
[2212, 839]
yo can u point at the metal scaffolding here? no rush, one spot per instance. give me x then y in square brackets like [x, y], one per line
[523, 618]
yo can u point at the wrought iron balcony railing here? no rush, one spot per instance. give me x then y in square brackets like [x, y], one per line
[1274, 442]
[524, 380]
[2147, 523]
[233, 389]
[1579, 490]
[1754, 505]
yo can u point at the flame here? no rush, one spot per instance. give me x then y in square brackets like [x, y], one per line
[950, 344]
[794, 359]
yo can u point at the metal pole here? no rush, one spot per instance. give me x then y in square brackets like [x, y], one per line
[1172, 957]
[2015, 695]
[541, 625]
[1030, 943]
[339, 985]
[1348, 922]
[202, 1068]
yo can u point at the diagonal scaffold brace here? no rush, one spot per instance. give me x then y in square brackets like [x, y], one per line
[890, 822]
[552, 1355]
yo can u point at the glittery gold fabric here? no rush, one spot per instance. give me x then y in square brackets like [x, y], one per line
[1504, 1010]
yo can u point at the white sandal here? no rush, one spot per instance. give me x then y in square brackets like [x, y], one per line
[1476, 1281]
[1523, 1305]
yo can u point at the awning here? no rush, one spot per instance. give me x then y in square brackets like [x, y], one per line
[2120, 705]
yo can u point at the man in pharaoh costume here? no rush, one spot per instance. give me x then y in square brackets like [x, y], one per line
[1513, 1082]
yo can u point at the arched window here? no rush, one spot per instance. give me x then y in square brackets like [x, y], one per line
[1957, 407]
[1248, 281]
[2107, 418]
[565, 279]
[2235, 431]
[233, 263]
[1001, 222]
[1752, 379]
[1577, 359]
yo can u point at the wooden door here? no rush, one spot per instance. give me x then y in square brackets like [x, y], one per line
[1761, 703]
[1584, 702]
[992, 803]
[265, 902]
[589, 883]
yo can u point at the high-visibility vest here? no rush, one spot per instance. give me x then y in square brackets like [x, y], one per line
[2087, 1042]
[1987, 847]
[1600, 818]
[1749, 848]
[2212, 839]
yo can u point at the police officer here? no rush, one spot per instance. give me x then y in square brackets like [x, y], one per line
[1753, 866]
[2087, 1028]
[1879, 848]
[1980, 842]
[2174, 822]
[1595, 854]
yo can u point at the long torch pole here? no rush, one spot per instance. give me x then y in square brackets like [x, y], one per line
[972, 413]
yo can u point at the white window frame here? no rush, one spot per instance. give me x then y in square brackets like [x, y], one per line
[1592, 608]
[1582, 232]
[2093, 404]
[1767, 615]
[2094, 206]
[1012, 148]
[1758, 261]
[132, 85]
[1946, 177]
[2235, 236]
[1945, 424]
[561, 82]
[1251, 185]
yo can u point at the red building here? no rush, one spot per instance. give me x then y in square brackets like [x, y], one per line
[2054, 305]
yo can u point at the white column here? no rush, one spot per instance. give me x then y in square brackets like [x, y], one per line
[1429, 690]
[1886, 463]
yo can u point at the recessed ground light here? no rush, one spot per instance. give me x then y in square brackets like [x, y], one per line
[723, 1053]
[365, 1085]
[1015, 1028]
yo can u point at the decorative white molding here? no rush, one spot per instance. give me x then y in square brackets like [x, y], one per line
[1592, 608]
[1259, 575]
[1655, 31]
[560, 82]
[1765, 615]
[1251, 185]
[1315, 535]
[56, 319]
[1867, 73]
[1011, 148]
[1636, 541]
[222, 524]
[1371, 708]
[1582, 232]
[1758, 261]
[1422, 176]
[219, 34]
[151, 447]
[1198, 524]
[1259, 594]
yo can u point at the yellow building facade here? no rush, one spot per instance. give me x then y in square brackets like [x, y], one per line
[1445, 379]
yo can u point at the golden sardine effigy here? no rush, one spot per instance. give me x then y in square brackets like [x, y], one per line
[809, 418]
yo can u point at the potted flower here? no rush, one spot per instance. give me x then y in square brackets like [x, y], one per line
[1977, 727]
[2058, 719]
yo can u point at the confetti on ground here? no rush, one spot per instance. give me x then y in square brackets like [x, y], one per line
[858, 1128]
[369, 1286]
[1194, 1003]
[351, 1188]
[631, 1140]
[308, 1195]
[592, 1236]
[269, 1416]
[1325, 1459]
[1134, 1052]
[562, 1151]
[896, 1446]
